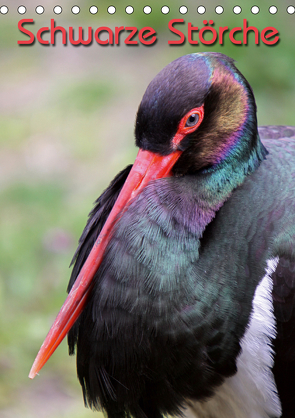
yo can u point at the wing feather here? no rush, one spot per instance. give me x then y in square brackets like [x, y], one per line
[284, 344]
[96, 220]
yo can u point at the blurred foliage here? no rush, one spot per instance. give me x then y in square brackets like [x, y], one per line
[66, 128]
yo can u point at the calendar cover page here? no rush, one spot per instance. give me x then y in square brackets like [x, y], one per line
[72, 75]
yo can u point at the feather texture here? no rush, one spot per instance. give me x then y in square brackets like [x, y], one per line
[172, 299]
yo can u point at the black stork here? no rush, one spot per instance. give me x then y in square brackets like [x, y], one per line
[182, 292]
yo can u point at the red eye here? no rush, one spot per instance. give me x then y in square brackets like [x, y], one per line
[188, 124]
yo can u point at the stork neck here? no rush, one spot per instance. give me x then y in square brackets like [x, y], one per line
[217, 183]
[207, 190]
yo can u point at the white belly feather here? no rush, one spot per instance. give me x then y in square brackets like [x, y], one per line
[251, 392]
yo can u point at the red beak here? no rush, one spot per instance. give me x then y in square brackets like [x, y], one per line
[147, 166]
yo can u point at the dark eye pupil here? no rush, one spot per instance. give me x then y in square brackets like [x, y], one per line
[192, 120]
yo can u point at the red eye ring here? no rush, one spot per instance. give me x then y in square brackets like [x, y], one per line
[183, 129]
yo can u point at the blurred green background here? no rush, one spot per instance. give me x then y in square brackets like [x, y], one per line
[66, 128]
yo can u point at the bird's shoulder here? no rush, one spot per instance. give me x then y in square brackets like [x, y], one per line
[276, 132]
[280, 142]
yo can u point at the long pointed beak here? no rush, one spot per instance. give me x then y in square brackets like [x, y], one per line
[147, 166]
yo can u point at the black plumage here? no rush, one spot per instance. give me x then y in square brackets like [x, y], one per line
[235, 259]
[172, 299]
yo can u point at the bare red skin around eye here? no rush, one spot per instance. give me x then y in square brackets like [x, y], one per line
[183, 130]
